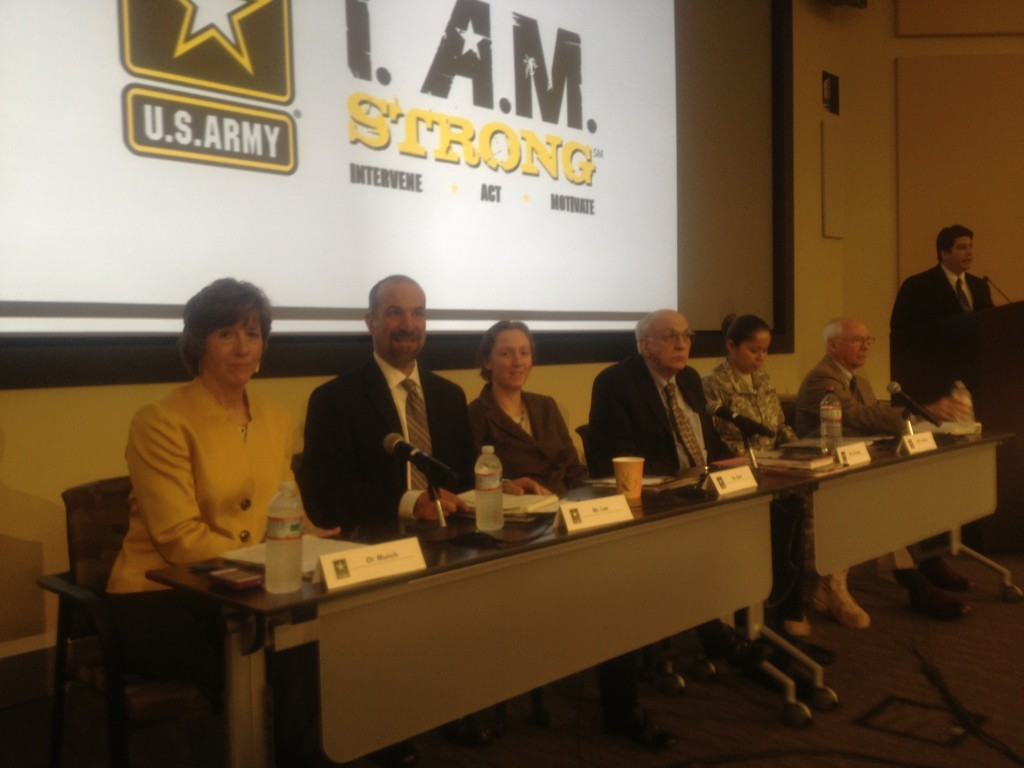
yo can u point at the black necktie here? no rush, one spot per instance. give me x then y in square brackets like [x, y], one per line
[962, 295]
[855, 390]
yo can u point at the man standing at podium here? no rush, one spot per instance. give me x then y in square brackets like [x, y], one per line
[946, 289]
[931, 326]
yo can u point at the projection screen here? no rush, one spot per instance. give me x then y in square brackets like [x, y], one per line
[517, 157]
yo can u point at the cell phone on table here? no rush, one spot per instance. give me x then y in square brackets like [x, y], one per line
[236, 578]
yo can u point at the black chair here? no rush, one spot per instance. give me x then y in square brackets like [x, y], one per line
[583, 430]
[88, 649]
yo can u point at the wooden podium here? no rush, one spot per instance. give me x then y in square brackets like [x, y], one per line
[985, 350]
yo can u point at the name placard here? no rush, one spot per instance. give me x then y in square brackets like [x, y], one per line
[854, 454]
[919, 443]
[359, 564]
[731, 480]
[594, 513]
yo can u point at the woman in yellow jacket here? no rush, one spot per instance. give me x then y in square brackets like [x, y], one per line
[204, 462]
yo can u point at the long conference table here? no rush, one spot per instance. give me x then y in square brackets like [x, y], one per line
[405, 654]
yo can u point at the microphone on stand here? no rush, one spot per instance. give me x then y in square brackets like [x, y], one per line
[745, 425]
[396, 445]
[913, 406]
[988, 280]
[436, 472]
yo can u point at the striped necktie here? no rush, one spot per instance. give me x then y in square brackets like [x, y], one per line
[419, 429]
[961, 294]
[682, 429]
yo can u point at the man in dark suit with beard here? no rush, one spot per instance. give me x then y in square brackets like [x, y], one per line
[346, 475]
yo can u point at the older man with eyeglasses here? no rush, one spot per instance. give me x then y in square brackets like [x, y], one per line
[652, 405]
[846, 349]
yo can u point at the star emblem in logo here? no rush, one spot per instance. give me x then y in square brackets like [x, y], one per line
[220, 21]
[470, 39]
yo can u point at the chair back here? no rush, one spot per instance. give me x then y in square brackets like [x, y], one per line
[789, 409]
[583, 430]
[97, 520]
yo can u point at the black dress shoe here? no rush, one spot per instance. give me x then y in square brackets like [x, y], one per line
[641, 730]
[928, 599]
[467, 732]
[939, 573]
[727, 644]
[399, 755]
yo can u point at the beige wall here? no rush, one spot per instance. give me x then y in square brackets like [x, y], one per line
[54, 438]
[860, 273]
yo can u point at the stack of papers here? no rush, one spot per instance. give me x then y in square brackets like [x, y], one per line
[648, 482]
[951, 428]
[527, 504]
[656, 483]
[313, 547]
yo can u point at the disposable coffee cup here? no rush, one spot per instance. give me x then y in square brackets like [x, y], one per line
[629, 476]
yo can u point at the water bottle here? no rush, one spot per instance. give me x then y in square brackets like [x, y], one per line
[831, 416]
[490, 514]
[284, 541]
[961, 393]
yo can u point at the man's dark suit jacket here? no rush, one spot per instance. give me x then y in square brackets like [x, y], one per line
[346, 477]
[628, 418]
[928, 296]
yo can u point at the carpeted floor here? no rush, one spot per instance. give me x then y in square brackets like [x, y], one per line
[912, 692]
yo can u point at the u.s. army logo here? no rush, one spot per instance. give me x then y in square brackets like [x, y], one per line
[241, 48]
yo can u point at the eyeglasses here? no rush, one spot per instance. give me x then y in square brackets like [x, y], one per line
[672, 337]
[860, 341]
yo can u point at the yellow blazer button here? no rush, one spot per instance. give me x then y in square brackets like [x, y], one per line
[245, 536]
[246, 503]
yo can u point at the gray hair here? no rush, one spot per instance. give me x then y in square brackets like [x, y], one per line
[643, 325]
[833, 329]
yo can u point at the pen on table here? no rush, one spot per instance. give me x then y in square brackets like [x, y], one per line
[540, 503]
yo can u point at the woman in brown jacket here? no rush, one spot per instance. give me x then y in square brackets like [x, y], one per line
[527, 431]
